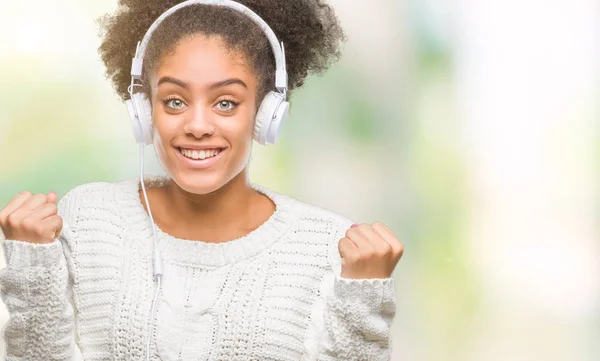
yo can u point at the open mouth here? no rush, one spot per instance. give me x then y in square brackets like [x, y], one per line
[200, 154]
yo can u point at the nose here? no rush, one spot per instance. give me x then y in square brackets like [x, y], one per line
[199, 124]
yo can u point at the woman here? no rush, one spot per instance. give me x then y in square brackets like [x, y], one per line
[218, 268]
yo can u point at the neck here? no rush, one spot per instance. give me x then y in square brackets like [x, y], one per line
[230, 212]
[226, 204]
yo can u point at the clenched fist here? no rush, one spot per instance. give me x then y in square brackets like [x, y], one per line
[31, 218]
[369, 251]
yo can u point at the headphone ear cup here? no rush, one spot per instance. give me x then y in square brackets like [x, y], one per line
[146, 119]
[140, 115]
[270, 118]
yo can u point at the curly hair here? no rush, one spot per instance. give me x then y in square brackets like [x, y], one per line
[309, 29]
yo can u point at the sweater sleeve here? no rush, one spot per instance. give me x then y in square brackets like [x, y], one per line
[37, 291]
[352, 318]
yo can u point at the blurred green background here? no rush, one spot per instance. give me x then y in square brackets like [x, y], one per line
[469, 127]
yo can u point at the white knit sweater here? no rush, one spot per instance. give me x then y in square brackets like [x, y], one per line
[274, 294]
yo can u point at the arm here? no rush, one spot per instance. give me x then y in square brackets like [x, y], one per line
[352, 317]
[358, 318]
[352, 320]
[36, 289]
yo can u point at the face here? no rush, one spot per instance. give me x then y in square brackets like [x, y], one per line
[204, 104]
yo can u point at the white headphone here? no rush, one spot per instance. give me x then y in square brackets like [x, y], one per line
[273, 110]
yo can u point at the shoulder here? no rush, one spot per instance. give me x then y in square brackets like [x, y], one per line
[89, 199]
[314, 226]
[320, 218]
[308, 215]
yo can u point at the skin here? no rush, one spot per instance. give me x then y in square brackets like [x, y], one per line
[199, 89]
[206, 94]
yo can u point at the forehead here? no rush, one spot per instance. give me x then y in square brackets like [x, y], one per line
[200, 60]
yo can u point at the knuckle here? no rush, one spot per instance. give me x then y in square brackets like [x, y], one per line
[381, 253]
[39, 231]
[386, 249]
[400, 249]
[357, 228]
[11, 220]
[378, 225]
[382, 229]
[357, 256]
[397, 252]
[28, 224]
[358, 225]
[23, 194]
[398, 244]
[370, 254]
[358, 259]
[349, 259]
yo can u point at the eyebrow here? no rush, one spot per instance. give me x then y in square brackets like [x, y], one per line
[228, 82]
[168, 79]
[220, 84]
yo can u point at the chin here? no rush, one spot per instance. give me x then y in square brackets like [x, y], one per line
[199, 183]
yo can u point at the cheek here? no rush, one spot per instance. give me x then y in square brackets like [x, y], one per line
[240, 128]
[159, 147]
[160, 140]
[240, 134]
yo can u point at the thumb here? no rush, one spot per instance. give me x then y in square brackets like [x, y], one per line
[52, 197]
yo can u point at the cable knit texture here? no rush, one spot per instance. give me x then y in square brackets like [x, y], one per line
[274, 294]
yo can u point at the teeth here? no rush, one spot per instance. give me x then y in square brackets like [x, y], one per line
[202, 154]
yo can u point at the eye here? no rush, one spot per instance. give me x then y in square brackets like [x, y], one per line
[226, 105]
[174, 103]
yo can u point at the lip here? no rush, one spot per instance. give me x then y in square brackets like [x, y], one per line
[199, 164]
[199, 147]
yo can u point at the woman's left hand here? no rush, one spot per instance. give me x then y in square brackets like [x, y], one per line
[369, 251]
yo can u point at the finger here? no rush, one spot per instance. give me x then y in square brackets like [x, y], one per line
[54, 224]
[42, 212]
[360, 239]
[15, 203]
[375, 239]
[52, 197]
[347, 248]
[34, 202]
[389, 237]
[29, 205]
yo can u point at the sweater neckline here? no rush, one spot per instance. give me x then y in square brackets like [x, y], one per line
[198, 252]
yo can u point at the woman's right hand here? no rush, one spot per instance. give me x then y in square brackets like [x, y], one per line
[31, 218]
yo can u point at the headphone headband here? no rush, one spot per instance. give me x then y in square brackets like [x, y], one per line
[281, 81]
